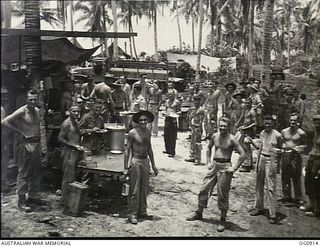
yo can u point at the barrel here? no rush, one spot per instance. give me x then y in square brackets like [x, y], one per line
[115, 138]
[184, 120]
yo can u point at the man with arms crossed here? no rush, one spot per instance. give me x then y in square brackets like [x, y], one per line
[26, 121]
[220, 171]
[136, 155]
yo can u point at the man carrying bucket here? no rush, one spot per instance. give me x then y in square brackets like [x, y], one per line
[136, 156]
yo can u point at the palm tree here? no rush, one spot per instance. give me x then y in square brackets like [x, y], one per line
[286, 9]
[267, 36]
[6, 9]
[33, 58]
[176, 9]
[199, 39]
[46, 14]
[307, 22]
[251, 32]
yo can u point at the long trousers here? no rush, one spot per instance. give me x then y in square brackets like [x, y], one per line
[29, 170]
[139, 186]
[170, 135]
[210, 121]
[291, 171]
[216, 176]
[195, 143]
[312, 183]
[266, 179]
[4, 165]
[248, 162]
[71, 157]
[154, 108]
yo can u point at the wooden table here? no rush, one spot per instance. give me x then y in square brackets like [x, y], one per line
[107, 163]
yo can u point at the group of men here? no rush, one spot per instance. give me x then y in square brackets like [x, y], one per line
[245, 114]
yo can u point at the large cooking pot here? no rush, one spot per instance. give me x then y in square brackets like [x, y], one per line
[115, 138]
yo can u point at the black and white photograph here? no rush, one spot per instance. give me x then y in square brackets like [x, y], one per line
[160, 119]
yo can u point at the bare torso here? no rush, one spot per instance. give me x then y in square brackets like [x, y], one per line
[293, 138]
[29, 122]
[140, 142]
[224, 146]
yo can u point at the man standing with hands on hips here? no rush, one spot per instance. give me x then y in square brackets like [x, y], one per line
[136, 155]
[220, 171]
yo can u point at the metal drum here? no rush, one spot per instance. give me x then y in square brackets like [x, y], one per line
[115, 138]
[184, 119]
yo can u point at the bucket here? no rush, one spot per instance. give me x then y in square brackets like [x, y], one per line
[115, 138]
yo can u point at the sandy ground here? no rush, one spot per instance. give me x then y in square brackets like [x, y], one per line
[173, 196]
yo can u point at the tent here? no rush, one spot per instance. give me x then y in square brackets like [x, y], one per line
[120, 52]
[53, 49]
[210, 63]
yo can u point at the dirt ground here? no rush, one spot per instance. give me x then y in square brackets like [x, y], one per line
[173, 196]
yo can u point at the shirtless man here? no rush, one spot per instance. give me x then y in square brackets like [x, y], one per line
[136, 159]
[87, 88]
[196, 119]
[248, 123]
[26, 121]
[69, 137]
[155, 98]
[211, 103]
[294, 144]
[270, 145]
[220, 171]
[103, 91]
[121, 102]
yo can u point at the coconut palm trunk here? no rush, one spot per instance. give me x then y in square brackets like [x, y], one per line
[155, 30]
[115, 29]
[267, 37]
[6, 14]
[33, 58]
[199, 39]
[179, 31]
[193, 36]
[251, 31]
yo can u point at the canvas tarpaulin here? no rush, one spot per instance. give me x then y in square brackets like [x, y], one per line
[211, 64]
[53, 49]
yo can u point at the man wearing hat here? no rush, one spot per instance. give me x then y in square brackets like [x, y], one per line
[121, 102]
[246, 90]
[138, 155]
[230, 87]
[247, 129]
[257, 105]
[312, 177]
[235, 107]
[196, 118]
